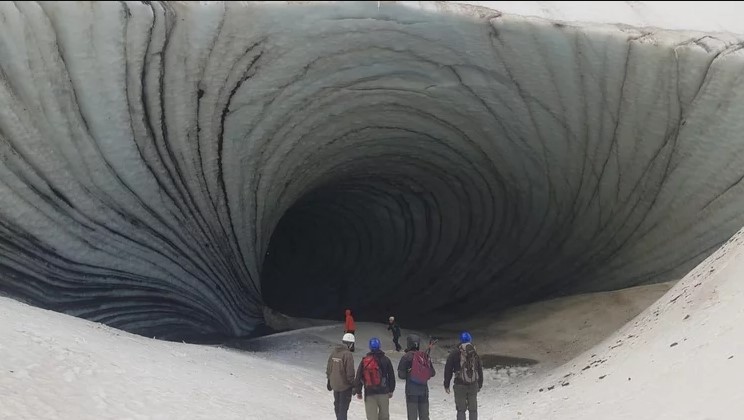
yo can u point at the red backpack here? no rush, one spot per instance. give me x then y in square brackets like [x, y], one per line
[420, 368]
[371, 372]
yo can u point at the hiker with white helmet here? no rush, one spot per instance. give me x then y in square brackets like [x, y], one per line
[340, 375]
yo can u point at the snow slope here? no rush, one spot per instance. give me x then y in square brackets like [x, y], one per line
[681, 358]
[54, 366]
[710, 16]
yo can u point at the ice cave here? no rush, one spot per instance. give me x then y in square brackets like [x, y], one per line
[173, 169]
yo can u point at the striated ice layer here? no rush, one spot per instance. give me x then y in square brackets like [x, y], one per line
[172, 168]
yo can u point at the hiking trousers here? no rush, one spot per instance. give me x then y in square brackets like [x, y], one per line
[377, 407]
[417, 407]
[397, 345]
[341, 402]
[466, 399]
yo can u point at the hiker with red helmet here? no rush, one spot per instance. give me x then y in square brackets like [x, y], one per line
[416, 368]
[340, 375]
[376, 375]
[466, 367]
[350, 326]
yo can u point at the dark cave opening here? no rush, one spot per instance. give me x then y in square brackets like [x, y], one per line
[352, 244]
[409, 232]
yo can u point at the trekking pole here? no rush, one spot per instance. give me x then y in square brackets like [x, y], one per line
[432, 341]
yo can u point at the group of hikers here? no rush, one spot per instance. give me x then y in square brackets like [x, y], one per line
[374, 378]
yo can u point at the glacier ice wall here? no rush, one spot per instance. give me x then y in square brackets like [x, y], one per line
[171, 168]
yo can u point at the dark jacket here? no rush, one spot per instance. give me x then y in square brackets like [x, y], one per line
[404, 368]
[340, 369]
[387, 379]
[453, 366]
[395, 329]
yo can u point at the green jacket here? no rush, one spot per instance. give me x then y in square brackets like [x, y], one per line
[340, 369]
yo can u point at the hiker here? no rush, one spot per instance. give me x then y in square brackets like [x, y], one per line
[350, 327]
[340, 375]
[465, 364]
[376, 375]
[416, 368]
[393, 326]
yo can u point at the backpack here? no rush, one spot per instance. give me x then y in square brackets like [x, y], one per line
[371, 372]
[420, 368]
[469, 362]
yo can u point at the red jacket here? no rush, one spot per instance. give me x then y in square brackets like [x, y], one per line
[349, 326]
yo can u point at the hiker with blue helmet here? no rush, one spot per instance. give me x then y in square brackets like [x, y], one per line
[416, 368]
[465, 365]
[376, 375]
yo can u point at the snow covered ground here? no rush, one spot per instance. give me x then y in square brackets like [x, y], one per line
[54, 366]
[710, 16]
[555, 331]
[679, 359]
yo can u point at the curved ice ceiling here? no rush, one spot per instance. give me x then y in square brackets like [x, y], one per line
[169, 169]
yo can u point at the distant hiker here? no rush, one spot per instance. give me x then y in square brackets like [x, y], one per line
[349, 326]
[376, 375]
[466, 366]
[393, 326]
[340, 375]
[416, 368]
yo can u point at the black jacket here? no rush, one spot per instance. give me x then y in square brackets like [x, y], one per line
[404, 368]
[387, 379]
[453, 366]
[395, 329]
